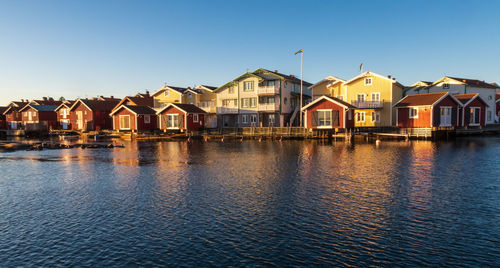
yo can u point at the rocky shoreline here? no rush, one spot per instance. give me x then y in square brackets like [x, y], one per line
[39, 146]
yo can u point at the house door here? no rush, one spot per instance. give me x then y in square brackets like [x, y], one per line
[445, 116]
[79, 119]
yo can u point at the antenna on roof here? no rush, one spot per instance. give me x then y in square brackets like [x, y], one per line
[248, 70]
[164, 84]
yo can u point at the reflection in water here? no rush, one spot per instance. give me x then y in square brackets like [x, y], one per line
[246, 204]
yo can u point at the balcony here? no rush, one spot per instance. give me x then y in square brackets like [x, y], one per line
[269, 107]
[368, 104]
[227, 110]
[210, 110]
[267, 90]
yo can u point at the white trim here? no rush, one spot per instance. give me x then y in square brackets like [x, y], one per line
[76, 102]
[451, 110]
[197, 118]
[356, 117]
[368, 73]
[149, 119]
[120, 121]
[324, 98]
[475, 124]
[327, 79]
[371, 81]
[409, 112]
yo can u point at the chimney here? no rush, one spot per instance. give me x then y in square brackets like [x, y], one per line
[292, 76]
[147, 93]
[275, 71]
[44, 98]
[389, 76]
[51, 99]
[112, 96]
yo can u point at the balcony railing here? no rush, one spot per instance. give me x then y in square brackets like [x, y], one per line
[267, 90]
[227, 110]
[268, 107]
[368, 104]
[209, 109]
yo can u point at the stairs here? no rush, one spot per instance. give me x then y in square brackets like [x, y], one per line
[294, 115]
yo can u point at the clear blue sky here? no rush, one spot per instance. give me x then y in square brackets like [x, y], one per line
[89, 48]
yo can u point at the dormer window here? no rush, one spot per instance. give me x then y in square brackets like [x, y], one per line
[190, 94]
[446, 86]
[166, 93]
[368, 81]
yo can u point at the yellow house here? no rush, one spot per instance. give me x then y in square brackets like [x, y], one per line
[206, 99]
[373, 95]
[169, 94]
[331, 86]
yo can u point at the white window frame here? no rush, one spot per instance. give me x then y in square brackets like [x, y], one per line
[325, 111]
[246, 88]
[244, 119]
[358, 114]
[245, 102]
[120, 122]
[368, 81]
[195, 118]
[231, 90]
[473, 116]
[253, 102]
[375, 94]
[413, 112]
[253, 119]
[361, 94]
[272, 118]
[172, 116]
[147, 119]
[446, 85]
[165, 93]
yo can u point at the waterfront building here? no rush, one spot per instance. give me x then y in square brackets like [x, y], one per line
[39, 117]
[134, 118]
[13, 117]
[428, 110]
[473, 110]
[456, 85]
[91, 114]
[137, 100]
[497, 101]
[373, 95]
[170, 94]
[63, 115]
[178, 116]
[328, 113]
[261, 98]
[331, 86]
[3, 121]
[416, 87]
[206, 99]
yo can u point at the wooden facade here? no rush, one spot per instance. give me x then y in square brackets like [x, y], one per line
[329, 113]
[181, 117]
[473, 110]
[91, 115]
[39, 117]
[134, 118]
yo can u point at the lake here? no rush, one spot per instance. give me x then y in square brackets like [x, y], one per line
[294, 203]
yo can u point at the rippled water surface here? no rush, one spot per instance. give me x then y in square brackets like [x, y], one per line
[245, 204]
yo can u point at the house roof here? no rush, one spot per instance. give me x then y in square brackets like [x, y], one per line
[40, 108]
[3, 109]
[329, 78]
[181, 90]
[187, 108]
[12, 108]
[465, 99]
[291, 78]
[135, 109]
[474, 82]
[46, 102]
[66, 104]
[18, 103]
[330, 99]
[368, 73]
[96, 105]
[209, 88]
[422, 99]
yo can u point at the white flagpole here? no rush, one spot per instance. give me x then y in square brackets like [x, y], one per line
[301, 63]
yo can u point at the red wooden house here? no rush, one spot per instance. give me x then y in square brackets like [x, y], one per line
[328, 113]
[39, 117]
[3, 121]
[137, 100]
[473, 110]
[90, 115]
[439, 109]
[63, 115]
[134, 118]
[176, 116]
[13, 118]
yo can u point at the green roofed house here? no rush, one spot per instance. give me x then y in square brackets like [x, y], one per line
[261, 98]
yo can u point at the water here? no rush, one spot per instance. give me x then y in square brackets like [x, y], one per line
[253, 204]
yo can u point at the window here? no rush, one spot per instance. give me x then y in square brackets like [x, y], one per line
[475, 115]
[368, 81]
[446, 86]
[361, 98]
[270, 100]
[270, 83]
[324, 118]
[172, 120]
[147, 119]
[248, 86]
[253, 102]
[376, 96]
[195, 118]
[284, 101]
[190, 94]
[340, 97]
[413, 112]
[253, 118]
[165, 93]
[231, 90]
[490, 97]
[349, 115]
[271, 119]
[376, 117]
[489, 115]
[360, 117]
[211, 104]
[244, 119]
[124, 121]
[244, 103]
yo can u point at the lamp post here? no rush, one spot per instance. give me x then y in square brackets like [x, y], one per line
[301, 51]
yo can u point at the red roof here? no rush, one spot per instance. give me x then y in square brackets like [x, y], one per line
[474, 82]
[465, 98]
[97, 105]
[188, 108]
[420, 99]
[497, 96]
[138, 101]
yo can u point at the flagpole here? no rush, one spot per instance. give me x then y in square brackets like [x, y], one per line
[301, 63]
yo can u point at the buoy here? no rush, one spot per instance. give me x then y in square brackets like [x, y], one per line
[377, 142]
[222, 140]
